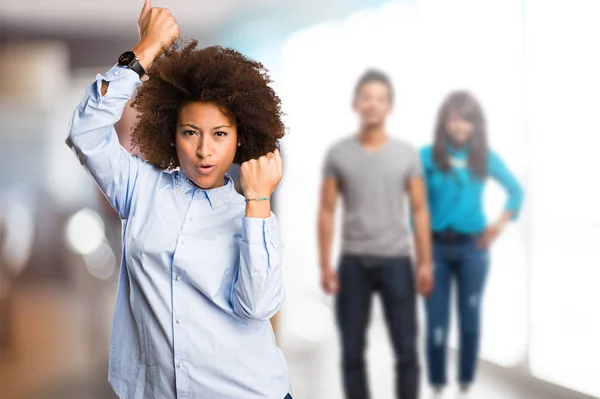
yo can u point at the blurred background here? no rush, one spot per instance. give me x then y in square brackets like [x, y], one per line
[533, 64]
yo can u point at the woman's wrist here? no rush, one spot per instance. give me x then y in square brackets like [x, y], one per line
[258, 209]
[258, 199]
[501, 224]
[146, 53]
[256, 193]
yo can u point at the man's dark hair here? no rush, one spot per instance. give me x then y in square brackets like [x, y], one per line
[374, 75]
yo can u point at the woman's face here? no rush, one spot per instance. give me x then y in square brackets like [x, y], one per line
[206, 142]
[459, 129]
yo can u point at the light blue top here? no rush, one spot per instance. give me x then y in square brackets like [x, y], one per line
[198, 280]
[456, 197]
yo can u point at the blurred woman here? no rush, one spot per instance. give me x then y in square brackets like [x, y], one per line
[457, 167]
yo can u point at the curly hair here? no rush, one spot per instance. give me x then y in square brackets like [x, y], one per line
[238, 85]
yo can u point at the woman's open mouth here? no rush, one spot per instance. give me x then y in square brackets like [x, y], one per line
[205, 169]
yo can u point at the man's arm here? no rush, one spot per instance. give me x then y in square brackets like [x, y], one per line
[329, 193]
[420, 213]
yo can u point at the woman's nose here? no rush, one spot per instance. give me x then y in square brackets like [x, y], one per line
[204, 150]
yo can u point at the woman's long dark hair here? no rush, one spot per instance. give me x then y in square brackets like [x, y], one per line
[465, 105]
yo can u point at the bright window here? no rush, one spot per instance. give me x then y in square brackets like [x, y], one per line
[563, 87]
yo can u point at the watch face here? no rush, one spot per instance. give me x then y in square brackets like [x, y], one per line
[126, 58]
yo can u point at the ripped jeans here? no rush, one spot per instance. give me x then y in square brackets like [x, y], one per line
[467, 265]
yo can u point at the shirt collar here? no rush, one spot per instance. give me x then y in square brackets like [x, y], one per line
[458, 152]
[216, 196]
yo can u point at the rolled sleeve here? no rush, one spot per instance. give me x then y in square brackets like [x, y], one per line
[260, 231]
[264, 239]
[122, 82]
[93, 138]
[259, 292]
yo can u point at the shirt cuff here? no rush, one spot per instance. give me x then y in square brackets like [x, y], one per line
[122, 82]
[514, 210]
[260, 231]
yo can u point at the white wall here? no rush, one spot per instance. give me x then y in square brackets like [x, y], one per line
[541, 289]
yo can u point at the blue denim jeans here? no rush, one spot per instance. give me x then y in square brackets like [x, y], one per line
[466, 266]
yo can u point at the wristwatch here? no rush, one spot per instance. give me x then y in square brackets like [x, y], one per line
[129, 60]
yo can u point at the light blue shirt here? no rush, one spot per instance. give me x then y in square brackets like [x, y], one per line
[198, 280]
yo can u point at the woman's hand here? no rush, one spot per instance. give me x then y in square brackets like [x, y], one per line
[490, 235]
[158, 31]
[259, 178]
[493, 231]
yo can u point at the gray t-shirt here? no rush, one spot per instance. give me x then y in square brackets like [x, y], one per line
[373, 190]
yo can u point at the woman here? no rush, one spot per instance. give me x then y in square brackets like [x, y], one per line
[201, 266]
[457, 167]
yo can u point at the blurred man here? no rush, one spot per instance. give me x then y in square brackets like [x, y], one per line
[373, 173]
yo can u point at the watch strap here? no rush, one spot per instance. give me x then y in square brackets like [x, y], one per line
[137, 67]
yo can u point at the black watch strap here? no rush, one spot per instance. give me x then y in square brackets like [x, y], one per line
[137, 68]
[128, 59]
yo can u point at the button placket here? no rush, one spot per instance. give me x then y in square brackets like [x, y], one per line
[179, 341]
[179, 311]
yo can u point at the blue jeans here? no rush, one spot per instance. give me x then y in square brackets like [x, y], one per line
[467, 265]
[362, 276]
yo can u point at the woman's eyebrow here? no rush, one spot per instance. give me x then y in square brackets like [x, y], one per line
[220, 127]
[190, 125]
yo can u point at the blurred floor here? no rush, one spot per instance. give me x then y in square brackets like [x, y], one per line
[69, 360]
[316, 375]
[59, 344]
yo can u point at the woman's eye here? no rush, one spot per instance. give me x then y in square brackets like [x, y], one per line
[220, 134]
[189, 132]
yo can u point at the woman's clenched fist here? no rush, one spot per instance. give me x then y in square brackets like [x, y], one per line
[260, 177]
[158, 31]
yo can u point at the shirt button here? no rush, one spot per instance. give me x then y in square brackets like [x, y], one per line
[178, 277]
[179, 365]
[115, 73]
[182, 242]
[191, 218]
[178, 321]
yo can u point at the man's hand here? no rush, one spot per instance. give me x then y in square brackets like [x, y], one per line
[330, 281]
[259, 178]
[425, 281]
[158, 31]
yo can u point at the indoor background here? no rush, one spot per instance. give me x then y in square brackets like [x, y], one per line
[533, 64]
